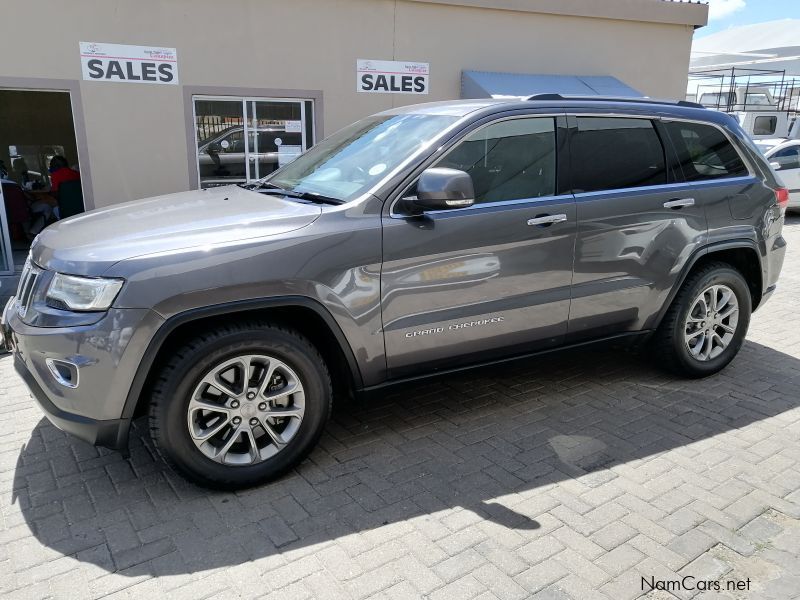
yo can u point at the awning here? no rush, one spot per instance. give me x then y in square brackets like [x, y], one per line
[488, 84]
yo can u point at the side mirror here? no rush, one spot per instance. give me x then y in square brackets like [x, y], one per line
[775, 165]
[441, 189]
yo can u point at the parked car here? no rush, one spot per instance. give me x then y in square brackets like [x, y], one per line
[223, 158]
[414, 242]
[784, 157]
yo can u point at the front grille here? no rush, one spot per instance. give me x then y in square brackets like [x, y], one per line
[27, 285]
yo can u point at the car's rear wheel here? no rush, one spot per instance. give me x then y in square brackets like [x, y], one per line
[707, 322]
[240, 405]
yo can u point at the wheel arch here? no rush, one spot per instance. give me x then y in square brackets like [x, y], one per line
[741, 254]
[304, 314]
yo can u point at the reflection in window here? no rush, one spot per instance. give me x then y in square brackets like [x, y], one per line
[509, 160]
[703, 152]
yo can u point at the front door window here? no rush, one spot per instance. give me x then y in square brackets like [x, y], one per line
[244, 139]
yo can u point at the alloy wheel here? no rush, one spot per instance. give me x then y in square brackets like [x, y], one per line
[246, 409]
[711, 323]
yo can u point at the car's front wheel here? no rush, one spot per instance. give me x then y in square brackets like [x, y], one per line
[240, 405]
[707, 322]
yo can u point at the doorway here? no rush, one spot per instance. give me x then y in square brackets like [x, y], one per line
[41, 180]
[241, 139]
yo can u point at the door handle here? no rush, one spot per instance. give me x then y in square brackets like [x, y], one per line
[547, 220]
[679, 203]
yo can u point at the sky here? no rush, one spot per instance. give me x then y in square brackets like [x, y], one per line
[731, 13]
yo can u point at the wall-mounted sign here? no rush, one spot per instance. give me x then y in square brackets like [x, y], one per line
[287, 154]
[131, 64]
[391, 77]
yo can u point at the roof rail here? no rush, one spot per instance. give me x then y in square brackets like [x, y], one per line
[685, 103]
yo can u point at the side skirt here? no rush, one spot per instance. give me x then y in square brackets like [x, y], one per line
[631, 339]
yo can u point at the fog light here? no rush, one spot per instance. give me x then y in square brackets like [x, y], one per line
[63, 371]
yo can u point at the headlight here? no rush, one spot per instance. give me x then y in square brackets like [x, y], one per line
[68, 292]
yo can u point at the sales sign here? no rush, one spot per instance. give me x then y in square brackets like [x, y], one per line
[391, 77]
[130, 64]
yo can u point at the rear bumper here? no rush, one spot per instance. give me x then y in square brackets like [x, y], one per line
[110, 433]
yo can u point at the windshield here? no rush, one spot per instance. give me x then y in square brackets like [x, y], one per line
[354, 159]
[759, 99]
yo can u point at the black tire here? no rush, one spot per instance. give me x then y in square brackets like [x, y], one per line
[668, 344]
[177, 380]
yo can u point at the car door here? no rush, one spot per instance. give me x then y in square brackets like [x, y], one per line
[635, 226]
[786, 162]
[470, 284]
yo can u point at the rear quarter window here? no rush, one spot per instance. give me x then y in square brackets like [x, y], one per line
[703, 152]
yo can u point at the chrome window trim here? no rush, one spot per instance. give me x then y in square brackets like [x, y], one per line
[667, 186]
[437, 160]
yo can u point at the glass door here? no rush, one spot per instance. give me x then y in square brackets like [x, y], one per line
[244, 139]
[221, 147]
[6, 261]
[274, 136]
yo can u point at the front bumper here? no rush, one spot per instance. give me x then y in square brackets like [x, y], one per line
[111, 433]
[106, 355]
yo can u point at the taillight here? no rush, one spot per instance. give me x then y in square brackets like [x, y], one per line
[782, 197]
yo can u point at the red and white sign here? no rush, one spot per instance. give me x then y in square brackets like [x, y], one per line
[392, 77]
[129, 64]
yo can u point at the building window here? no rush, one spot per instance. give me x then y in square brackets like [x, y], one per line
[244, 139]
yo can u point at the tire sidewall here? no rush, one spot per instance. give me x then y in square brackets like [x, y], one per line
[721, 276]
[174, 435]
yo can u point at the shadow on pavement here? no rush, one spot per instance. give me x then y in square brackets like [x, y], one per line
[471, 440]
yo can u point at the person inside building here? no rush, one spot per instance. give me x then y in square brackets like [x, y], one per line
[65, 186]
[26, 215]
[61, 172]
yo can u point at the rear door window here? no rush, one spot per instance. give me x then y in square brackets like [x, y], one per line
[703, 152]
[611, 153]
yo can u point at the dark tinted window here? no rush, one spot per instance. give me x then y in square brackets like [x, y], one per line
[703, 152]
[509, 160]
[616, 153]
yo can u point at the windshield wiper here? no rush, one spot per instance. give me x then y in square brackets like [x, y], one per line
[259, 185]
[313, 197]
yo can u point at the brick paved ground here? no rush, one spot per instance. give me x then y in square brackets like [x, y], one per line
[569, 477]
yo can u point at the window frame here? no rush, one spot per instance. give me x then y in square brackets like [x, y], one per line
[669, 147]
[565, 119]
[561, 151]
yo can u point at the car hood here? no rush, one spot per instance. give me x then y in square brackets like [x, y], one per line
[90, 243]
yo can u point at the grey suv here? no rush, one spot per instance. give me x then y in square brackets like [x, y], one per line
[410, 243]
